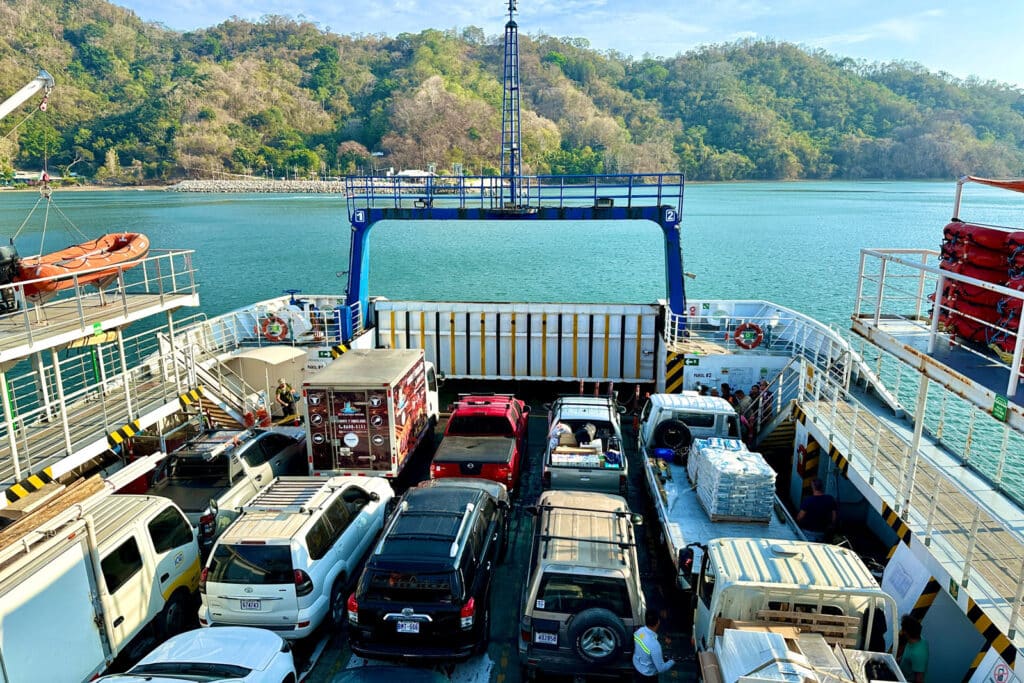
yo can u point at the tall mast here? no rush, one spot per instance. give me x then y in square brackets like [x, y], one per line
[511, 143]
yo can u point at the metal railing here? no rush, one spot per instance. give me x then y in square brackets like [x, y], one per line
[938, 508]
[906, 288]
[163, 274]
[497, 193]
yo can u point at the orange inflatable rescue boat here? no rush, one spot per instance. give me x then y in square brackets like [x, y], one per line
[51, 273]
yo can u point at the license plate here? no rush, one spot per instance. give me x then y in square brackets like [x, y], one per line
[250, 605]
[408, 627]
[545, 638]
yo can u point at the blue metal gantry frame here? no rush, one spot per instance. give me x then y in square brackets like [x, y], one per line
[657, 198]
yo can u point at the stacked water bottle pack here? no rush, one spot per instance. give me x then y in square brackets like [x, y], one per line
[732, 481]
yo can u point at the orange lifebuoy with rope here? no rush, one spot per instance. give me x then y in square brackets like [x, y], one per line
[275, 329]
[748, 336]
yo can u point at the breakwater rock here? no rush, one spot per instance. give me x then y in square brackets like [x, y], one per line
[260, 185]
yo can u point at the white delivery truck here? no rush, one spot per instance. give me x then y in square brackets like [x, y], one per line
[368, 411]
[682, 437]
[94, 576]
[770, 609]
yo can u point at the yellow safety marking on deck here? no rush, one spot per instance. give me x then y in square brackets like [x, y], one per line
[838, 458]
[483, 344]
[544, 345]
[675, 364]
[800, 415]
[190, 397]
[512, 342]
[928, 595]
[639, 328]
[393, 328]
[338, 349]
[423, 330]
[575, 343]
[451, 339]
[122, 434]
[811, 460]
[994, 638]
[31, 484]
[607, 341]
[892, 518]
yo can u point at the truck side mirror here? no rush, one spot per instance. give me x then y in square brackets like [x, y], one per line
[526, 409]
[374, 496]
[637, 519]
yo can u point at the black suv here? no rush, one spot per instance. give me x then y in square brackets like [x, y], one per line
[425, 591]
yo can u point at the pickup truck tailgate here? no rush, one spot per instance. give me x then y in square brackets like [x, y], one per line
[487, 457]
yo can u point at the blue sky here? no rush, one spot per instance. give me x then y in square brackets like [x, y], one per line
[963, 38]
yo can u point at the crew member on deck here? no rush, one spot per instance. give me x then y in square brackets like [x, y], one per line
[818, 512]
[648, 660]
[285, 398]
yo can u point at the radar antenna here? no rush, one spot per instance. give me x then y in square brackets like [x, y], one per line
[511, 139]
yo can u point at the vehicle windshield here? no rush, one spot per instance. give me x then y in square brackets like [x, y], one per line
[252, 564]
[192, 671]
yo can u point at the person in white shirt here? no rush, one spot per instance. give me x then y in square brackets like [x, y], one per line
[648, 661]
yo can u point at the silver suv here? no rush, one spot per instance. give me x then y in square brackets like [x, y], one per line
[582, 599]
[584, 451]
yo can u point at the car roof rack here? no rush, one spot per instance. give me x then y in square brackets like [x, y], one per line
[295, 495]
[403, 510]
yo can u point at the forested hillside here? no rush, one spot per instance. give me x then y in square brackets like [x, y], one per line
[136, 102]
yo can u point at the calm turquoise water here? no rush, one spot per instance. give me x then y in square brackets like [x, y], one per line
[793, 243]
[796, 244]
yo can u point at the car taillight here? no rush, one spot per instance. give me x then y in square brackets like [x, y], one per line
[202, 579]
[303, 584]
[206, 524]
[504, 473]
[353, 610]
[467, 614]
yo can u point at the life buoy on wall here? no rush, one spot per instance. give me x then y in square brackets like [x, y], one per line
[748, 336]
[274, 328]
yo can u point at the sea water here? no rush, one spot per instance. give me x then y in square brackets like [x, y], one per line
[795, 243]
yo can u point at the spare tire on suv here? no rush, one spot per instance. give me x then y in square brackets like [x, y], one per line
[598, 635]
[582, 599]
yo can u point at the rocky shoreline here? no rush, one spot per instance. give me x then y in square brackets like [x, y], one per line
[260, 185]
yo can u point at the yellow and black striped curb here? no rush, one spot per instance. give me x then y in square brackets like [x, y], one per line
[675, 364]
[811, 460]
[799, 415]
[839, 459]
[994, 639]
[122, 434]
[190, 397]
[29, 485]
[896, 523]
[338, 350]
[928, 595]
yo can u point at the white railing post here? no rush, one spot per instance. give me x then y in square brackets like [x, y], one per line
[998, 479]
[860, 286]
[1017, 597]
[972, 541]
[881, 289]
[931, 512]
[936, 313]
[920, 287]
[1018, 356]
[914, 451]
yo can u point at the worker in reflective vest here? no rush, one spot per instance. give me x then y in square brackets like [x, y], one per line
[648, 661]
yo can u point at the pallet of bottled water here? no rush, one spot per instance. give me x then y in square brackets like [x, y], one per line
[701, 448]
[733, 483]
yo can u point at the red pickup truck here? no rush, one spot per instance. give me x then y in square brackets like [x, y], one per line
[486, 438]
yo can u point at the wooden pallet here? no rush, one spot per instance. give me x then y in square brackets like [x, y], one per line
[72, 495]
[836, 629]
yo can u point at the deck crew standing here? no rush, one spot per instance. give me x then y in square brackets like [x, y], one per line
[648, 661]
[285, 398]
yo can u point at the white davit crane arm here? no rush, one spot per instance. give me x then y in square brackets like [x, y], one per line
[44, 81]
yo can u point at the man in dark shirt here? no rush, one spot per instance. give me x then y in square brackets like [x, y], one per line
[818, 512]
